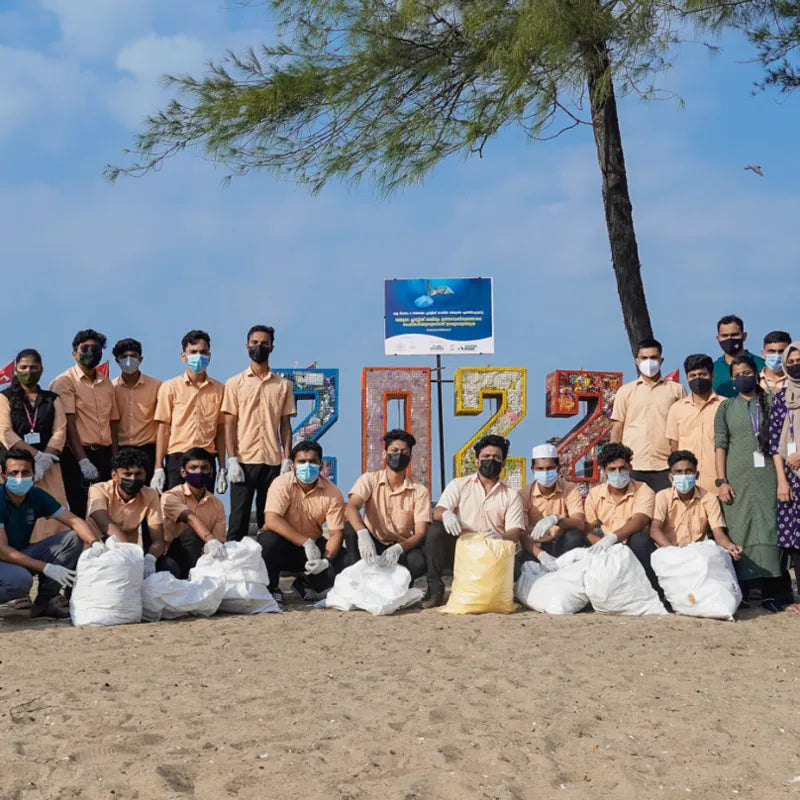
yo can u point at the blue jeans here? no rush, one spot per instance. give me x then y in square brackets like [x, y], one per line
[62, 548]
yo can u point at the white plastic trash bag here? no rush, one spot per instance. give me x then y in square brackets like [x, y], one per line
[616, 583]
[108, 589]
[555, 586]
[166, 597]
[698, 580]
[379, 590]
[245, 576]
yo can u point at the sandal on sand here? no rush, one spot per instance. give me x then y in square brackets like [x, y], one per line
[20, 604]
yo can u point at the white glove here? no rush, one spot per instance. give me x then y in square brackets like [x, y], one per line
[222, 481]
[215, 549]
[43, 462]
[286, 465]
[452, 524]
[316, 566]
[158, 480]
[88, 470]
[542, 527]
[97, 548]
[235, 471]
[61, 575]
[312, 551]
[609, 540]
[366, 547]
[547, 561]
[390, 556]
[149, 566]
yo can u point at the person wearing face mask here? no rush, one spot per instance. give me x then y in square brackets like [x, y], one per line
[92, 413]
[54, 559]
[136, 395]
[685, 513]
[298, 503]
[194, 520]
[773, 378]
[33, 419]
[258, 406]
[690, 422]
[397, 511]
[189, 414]
[731, 336]
[119, 506]
[480, 503]
[748, 485]
[639, 416]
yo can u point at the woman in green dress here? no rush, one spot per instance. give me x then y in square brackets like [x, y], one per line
[748, 483]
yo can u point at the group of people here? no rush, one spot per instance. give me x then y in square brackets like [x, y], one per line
[139, 460]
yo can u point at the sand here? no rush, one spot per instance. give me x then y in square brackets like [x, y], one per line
[322, 705]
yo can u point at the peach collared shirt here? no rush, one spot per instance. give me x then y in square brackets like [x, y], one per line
[192, 412]
[137, 409]
[770, 385]
[684, 522]
[690, 423]
[179, 499]
[500, 510]
[565, 501]
[258, 404]
[642, 408]
[610, 512]
[391, 514]
[9, 437]
[91, 401]
[125, 514]
[306, 511]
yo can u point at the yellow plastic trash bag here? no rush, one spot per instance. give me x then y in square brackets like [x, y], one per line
[483, 576]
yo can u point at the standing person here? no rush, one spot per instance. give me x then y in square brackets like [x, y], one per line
[747, 482]
[773, 377]
[639, 416]
[258, 406]
[480, 503]
[189, 414]
[92, 413]
[33, 419]
[136, 395]
[731, 336]
[784, 445]
[690, 422]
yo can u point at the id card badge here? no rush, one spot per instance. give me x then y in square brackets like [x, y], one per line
[32, 438]
[791, 448]
[758, 460]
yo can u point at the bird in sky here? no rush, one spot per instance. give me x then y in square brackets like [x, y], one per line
[755, 168]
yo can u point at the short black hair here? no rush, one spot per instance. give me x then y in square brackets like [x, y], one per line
[193, 337]
[83, 336]
[777, 337]
[681, 455]
[262, 329]
[197, 454]
[698, 361]
[492, 440]
[647, 343]
[125, 346]
[398, 435]
[16, 454]
[306, 444]
[28, 352]
[130, 457]
[612, 451]
[730, 319]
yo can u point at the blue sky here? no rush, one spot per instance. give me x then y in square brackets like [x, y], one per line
[156, 256]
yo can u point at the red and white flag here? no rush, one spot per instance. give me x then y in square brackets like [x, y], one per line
[7, 373]
[675, 377]
[103, 368]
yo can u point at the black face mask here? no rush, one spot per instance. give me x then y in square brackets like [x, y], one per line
[131, 486]
[793, 371]
[90, 358]
[200, 479]
[490, 468]
[744, 384]
[731, 346]
[397, 461]
[700, 385]
[259, 353]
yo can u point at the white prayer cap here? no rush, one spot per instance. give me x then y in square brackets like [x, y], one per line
[544, 451]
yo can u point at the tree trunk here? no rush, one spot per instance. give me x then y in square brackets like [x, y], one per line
[616, 197]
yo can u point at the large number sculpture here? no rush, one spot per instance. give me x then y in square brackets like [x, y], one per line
[506, 385]
[411, 386]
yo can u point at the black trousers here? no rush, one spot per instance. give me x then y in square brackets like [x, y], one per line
[440, 552]
[185, 550]
[258, 478]
[570, 539]
[280, 555]
[172, 466]
[75, 485]
[413, 560]
[163, 563]
[655, 479]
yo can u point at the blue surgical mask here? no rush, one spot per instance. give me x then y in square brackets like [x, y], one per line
[545, 477]
[306, 472]
[197, 362]
[774, 361]
[619, 480]
[684, 483]
[19, 486]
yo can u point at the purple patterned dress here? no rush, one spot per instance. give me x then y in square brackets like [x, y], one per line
[788, 513]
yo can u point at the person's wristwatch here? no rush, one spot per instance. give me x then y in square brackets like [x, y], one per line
[719, 481]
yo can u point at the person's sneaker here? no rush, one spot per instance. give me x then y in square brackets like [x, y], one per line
[305, 592]
[56, 608]
[773, 606]
[20, 604]
[433, 598]
[279, 598]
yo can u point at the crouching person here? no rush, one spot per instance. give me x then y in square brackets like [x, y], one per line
[397, 511]
[54, 558]
[118, 507]
[298, 502]
[194, 520]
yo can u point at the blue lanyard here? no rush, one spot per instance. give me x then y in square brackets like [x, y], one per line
[755, 421]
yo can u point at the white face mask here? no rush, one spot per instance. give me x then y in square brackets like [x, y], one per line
[650, 367]
[129, 364]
